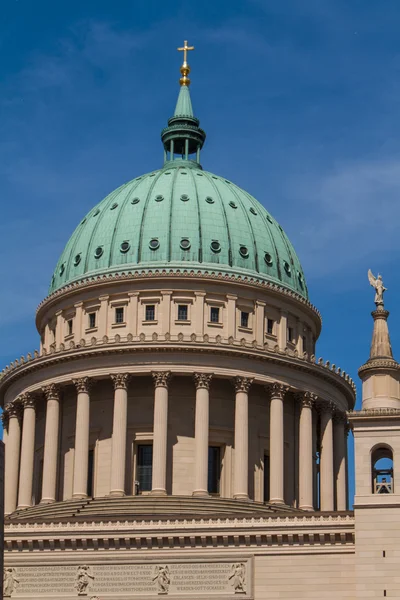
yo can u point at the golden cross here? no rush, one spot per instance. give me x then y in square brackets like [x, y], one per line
[185, 50]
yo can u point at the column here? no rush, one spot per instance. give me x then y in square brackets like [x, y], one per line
[12, 458]
[81, 458]
[276, 444]
[160, 433]
[165, 310]
[231, 314]
[306, 467]
[282, 331]
[260, 323]
[118, 450]
[50, 458]
[339, 446]
[241, 472]
[326, 458]
[78, 333]
[27, 451]
[132, 316]
[102, 324]
[199, 313]
[202, 381]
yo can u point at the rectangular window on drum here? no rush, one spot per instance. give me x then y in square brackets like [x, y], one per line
[214, 469]
[214, 314]
[144, 467]
[150, 312]
[182, 312]
[70, 326]
[119, 315]
[92, 320]
[304, 344]
[270, 327]
[244, 319]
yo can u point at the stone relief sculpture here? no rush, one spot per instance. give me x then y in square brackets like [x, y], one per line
[83, 580]
[10, 581]
[162, 576]
[378, 286]
[238, 578]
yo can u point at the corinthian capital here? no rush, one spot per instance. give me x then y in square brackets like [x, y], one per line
[278, 390]
[27, 400]
[242, 384]
[161, 378]
[202, 380]
[14, 409]
[307, 399]
[82, 384]
[120, 380]
[339, 417]
[5, 418]
[51, 391]
[326, 408]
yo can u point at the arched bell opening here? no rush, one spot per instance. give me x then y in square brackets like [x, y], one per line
[382, 470]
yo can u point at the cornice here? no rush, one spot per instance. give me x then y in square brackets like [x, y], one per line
[301, 531]
[192, 344]
[145, 274]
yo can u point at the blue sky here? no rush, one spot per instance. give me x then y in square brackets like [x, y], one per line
[301, 103]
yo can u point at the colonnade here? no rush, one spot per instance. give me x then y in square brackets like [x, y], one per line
[20, 443]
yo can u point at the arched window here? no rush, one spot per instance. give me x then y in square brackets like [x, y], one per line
[382, 470]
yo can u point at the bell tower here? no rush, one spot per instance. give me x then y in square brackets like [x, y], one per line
[376, 429]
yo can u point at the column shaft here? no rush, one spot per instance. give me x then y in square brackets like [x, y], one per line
[276, 444]
[12, 459]
[118, 451]
[306, 452]
[326, 459]
[81, 458]
[27, 452]
[241, 472]
[50, 457]
[202, 381]
[160, 433]
[340, 461]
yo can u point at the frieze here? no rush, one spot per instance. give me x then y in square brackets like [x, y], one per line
[204, 578]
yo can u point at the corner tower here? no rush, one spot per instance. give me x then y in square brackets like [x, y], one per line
[376, 429]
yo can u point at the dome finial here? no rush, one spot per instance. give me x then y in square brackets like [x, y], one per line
[185, 69]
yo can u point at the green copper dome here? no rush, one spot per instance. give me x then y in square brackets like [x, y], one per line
[180, 217]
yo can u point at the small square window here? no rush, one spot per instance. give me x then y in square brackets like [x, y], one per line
[70, 326]
[290, 334]
[119, 315]
[150, 312]
[214, 314]
[270, 327]
[244, 319]
[92, 320]
[182, 312]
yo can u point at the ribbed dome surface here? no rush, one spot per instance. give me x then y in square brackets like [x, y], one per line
[180, 217]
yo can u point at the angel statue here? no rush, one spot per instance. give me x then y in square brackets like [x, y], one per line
[377, 284]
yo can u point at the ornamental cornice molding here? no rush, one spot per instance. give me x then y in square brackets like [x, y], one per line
[373, 412]
[378, 363]
[337, 378]
[148, 273]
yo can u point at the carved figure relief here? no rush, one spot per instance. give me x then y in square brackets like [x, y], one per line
[378, 286]
[163, 579]
[83, 580]
[10, 581]
[238, 578]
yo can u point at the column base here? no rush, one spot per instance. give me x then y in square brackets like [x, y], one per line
[200, 494]
[158, 492]
[22, 506]
[307, 507]
[47, 501]
[243, 497]
[80, 496]
[117, 494]
[276, 501]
